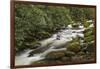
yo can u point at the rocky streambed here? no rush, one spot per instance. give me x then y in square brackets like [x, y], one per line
[69, 47]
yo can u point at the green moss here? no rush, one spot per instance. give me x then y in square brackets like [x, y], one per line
[40, 49]
[89, 38]
[69, 53]
[77, 58]
[64, 59]
[89, 33]
[75, 25]
[55, 55]
[74, 47]
[86, 24]
[34, 44]
[40, 62]
[44, 34]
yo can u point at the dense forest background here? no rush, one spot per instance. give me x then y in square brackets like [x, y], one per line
[37, 22]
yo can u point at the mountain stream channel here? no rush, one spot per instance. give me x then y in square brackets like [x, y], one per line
[55, 45]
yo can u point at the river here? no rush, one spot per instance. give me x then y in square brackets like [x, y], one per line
[65, 36]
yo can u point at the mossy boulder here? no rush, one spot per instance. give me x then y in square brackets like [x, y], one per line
[36, 45]
[33, 44]
[40, 62]
[77, 58]
[64, 59]
[55, 55]
[69, 53]
[75, 25]
[33, 52]
[86, 24]
[81, 53]
[77, 39]
[74, 47]
[40, 49]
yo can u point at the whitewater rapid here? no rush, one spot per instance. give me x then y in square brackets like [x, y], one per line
[65, 36]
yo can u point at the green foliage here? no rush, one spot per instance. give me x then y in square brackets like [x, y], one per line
[77, 14]
[88, 33]
[38, 22]
[81, 14]
[89, 38]
[86, 24]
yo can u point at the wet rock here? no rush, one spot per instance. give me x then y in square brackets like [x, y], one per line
[32, 53]
[55, 55]
[75, 25]
[64, 59]
[40, 62]
[69, 53]
[58, 62]
[38, 50]
[81, 53]
[33, 45]
[36, 45]
[77, 58]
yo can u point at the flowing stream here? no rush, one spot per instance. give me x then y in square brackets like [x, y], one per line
[64, 36]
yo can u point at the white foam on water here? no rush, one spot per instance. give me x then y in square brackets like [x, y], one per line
[65, 36]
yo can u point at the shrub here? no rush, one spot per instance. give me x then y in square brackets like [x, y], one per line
[89, 38]
[89, 33]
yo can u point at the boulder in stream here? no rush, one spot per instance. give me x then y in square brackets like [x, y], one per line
[74, 47]
[39, 50]
[69, 53]
[54, 55]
